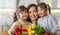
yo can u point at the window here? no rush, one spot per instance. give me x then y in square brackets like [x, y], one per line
[58, 4]
[7, 4]
[2, 4]
[54, 4]
[7, 9]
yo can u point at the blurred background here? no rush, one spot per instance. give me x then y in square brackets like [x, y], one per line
[8, 8]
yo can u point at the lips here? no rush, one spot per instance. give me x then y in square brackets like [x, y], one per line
[24, 16]
[40, 14]
[33, 17]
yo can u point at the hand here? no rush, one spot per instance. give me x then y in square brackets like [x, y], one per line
[50, 33]
[46, 33]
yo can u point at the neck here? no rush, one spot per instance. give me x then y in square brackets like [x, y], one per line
[34, 20]
[24, 20]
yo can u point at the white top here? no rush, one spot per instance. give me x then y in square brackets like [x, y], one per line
[49, 23]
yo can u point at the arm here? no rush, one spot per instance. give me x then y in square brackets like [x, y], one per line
[46, 33]
[54, 24]
[51, 33]
[13, 29]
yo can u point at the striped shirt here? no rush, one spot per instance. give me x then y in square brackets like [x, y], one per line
[16, 25]
[49, 23]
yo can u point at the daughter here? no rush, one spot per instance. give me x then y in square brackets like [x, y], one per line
[22, 15]
[48, 21]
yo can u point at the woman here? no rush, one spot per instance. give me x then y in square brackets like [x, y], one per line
[33, 13]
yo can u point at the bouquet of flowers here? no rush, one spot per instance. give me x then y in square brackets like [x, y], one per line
[34, 29]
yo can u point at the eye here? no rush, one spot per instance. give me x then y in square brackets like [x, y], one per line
[21, 12]
[35, 11]
[26, 12]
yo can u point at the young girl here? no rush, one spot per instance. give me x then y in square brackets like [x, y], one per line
[22, 15]
[48, 21]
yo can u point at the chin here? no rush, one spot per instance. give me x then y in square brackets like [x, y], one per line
[33, 19]
[41, 15]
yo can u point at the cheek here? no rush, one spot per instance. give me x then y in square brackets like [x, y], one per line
[20, 15]
[41, 12]
[26, 14]
[36, 13]
[30, 14]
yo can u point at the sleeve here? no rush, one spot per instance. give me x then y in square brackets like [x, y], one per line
[13, 29]
[54, 24]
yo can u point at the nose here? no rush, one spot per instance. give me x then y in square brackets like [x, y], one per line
[32, 14]
[24, 14]
[39, 12]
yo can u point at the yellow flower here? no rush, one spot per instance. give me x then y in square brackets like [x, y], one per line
[33, 26]
[33, 31]
[29, 34]
[29, 26]
[29, 29]
[36, 34]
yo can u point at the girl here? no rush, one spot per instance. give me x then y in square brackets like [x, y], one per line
[33, 13]
[22, 15]
[48, 21]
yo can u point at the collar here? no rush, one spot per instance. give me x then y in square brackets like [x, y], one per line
[34, 22]
[22, 22]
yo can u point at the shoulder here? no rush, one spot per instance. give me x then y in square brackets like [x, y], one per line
[52, 16]
[16, 23]
[39, 19]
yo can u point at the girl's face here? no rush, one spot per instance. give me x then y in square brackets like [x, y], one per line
[42, 12]
[33, 14]
[23, 15]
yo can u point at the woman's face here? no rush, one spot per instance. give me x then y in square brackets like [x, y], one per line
[41, 12]
[23, 15]
[33, 14]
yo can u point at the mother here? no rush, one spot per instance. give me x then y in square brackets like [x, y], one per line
[33, 13]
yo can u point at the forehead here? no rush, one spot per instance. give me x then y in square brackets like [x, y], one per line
[40, 8]
[32, 8]
[24, 11]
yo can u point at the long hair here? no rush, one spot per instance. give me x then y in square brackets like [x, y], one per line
[15, 17]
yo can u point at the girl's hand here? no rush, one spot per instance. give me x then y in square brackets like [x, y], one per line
[46, 33]
[50, 33]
